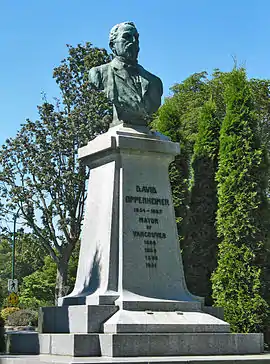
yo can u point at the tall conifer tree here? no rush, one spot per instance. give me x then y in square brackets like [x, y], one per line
[200, 243]
[238, 282]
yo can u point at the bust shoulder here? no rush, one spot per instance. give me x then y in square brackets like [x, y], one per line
[153, 79]
[98, 74]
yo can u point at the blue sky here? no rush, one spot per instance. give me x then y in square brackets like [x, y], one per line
[177, 38]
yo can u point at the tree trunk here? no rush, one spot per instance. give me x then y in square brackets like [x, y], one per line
[61, 288]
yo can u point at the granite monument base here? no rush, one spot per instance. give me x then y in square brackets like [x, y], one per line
[149, 345]
[127, 345]
[122, 333]
[130, 297]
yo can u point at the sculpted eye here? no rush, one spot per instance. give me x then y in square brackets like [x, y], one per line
[127, 36]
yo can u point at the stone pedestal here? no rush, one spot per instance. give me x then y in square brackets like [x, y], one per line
[130, 296]
[129, 249]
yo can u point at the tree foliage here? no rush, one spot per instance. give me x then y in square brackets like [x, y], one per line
[177, 118]
[29, 257]
[242, 217]
[200, 242]
[260, 90]
[40, 172]
[38, 288]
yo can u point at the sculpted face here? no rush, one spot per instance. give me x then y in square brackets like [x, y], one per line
[126, 43]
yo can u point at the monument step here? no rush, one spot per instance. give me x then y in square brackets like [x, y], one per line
[135, 345]
[87, 319]
[172, 344]
[53, 344]
[22, 342]
[70, 344]
[125, 321]
[74, 319]
[159, 305]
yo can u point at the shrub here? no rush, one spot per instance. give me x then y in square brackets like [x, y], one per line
[6, 312]
[23, 318]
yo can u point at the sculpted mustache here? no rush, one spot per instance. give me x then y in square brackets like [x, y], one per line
[130, 45]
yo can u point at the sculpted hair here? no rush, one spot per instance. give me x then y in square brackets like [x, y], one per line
[114, 31]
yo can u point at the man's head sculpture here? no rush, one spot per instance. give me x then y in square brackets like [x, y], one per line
[124, 41]
[134, 92]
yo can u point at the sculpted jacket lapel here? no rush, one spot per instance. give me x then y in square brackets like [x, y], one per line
[121, 75]
[144, 80]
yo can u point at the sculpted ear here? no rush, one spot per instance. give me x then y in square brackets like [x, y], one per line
[111, 45]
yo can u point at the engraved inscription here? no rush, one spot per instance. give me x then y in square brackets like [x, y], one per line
[148, 218]
[147, 200]
[149, 234]
[147, 189]
[156, 211]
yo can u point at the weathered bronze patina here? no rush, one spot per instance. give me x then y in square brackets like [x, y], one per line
[135, 93]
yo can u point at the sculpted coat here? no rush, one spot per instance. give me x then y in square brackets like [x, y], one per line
[134, 92]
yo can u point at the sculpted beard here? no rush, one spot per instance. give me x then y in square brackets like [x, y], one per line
[131, 51]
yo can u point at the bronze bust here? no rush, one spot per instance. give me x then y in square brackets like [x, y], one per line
[134, 92]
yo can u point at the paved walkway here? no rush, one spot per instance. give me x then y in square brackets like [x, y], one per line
[220, 359]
